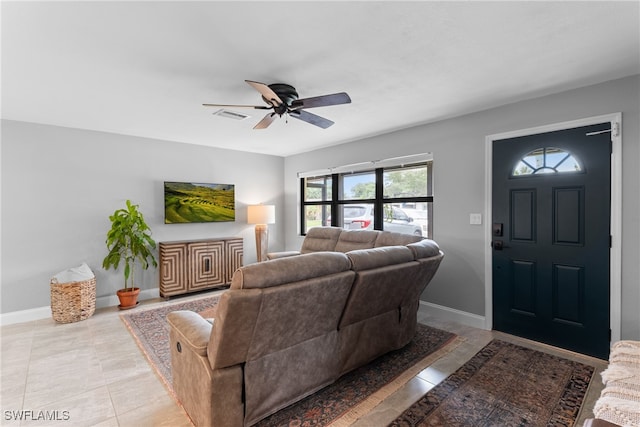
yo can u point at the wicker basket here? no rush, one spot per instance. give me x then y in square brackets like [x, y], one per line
[73, 301]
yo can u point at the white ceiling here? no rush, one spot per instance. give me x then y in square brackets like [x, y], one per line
[145, 68]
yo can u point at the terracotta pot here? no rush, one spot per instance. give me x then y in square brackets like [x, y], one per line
[128, 298]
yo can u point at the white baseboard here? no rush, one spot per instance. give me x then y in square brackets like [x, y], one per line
[439, 311]
[45, 312]
[452, 315]
[25, 315]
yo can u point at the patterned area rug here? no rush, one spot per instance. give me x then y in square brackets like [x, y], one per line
[505, 385]
[339, 404]
[151, 332]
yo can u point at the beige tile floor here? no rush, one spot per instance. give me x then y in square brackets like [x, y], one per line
[93, 374]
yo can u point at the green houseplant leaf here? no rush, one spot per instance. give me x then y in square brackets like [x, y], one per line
[129, 241]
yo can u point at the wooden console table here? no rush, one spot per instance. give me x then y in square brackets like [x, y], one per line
[196, 265]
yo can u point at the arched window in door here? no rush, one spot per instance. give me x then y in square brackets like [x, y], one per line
[546, 160]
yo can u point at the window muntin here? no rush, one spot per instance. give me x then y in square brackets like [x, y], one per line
[379, 199]
[546, 160]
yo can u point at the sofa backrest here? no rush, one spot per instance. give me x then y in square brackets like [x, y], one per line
[320, 239]
[382, 307]
[288, 270]
[278, 318]
[336, 239]
[350, 240]
[389, 238]
[382, 278]
[232, 338]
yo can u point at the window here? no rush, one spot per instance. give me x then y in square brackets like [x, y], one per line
[396, 198]
[546, 160]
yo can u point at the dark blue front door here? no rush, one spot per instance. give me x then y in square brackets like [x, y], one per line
[551, 237]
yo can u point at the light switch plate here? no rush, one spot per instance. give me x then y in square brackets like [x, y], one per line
[475, 219]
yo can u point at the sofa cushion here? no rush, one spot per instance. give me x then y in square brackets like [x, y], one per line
[291, 269]
[350, 240]
[389, 238]
[320, 239]
[366, 259]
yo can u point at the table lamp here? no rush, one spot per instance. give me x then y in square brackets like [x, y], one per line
[261, 215]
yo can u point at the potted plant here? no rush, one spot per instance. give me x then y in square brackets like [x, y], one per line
[129, 241]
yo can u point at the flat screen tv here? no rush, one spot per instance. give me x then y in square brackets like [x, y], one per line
[186, 202]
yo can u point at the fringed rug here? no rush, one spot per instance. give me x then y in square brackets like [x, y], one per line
[339, 404]
[505, 385]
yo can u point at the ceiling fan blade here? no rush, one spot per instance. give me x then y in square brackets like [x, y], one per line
[266, 121]
[257, 107]
[311, 118]
[321, 101]
[266, 92]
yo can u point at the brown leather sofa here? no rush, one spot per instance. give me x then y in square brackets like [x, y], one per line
[293, 325]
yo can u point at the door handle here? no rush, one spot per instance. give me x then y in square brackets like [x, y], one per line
[497, 245]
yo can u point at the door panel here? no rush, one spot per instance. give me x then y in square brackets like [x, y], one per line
[523, 287]
[568, 216]
[568, 294]
[551, 193]
[523, 214]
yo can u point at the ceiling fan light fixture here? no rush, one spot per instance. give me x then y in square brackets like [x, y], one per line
[229, 114]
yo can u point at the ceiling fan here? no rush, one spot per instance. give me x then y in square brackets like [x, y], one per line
[283, 99]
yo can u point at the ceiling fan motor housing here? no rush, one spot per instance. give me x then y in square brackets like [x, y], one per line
[287, 95]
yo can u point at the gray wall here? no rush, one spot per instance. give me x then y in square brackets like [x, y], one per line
[458, 147]
[59, 186]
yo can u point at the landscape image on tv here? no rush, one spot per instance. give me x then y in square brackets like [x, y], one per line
[186, 202]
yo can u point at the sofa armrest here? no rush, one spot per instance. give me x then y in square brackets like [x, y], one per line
[210, 397]
[424, 249]
[276, 255]
[192, 330]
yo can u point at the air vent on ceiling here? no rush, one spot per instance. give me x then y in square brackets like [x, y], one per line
[231, 114]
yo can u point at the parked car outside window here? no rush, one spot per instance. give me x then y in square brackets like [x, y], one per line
[360, 217]
[420, 217]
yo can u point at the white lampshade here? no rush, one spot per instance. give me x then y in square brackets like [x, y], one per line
[261, 214]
